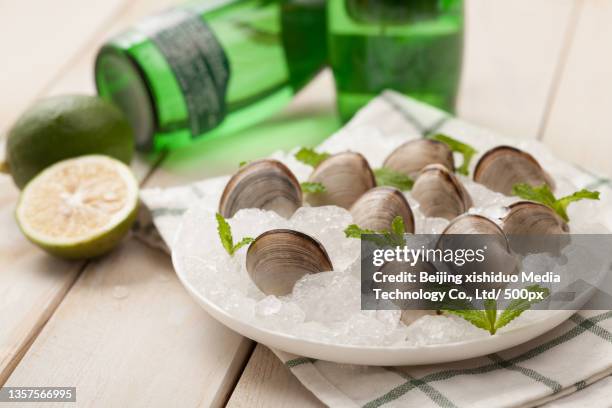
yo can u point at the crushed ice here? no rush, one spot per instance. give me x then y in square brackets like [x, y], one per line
[326, 307]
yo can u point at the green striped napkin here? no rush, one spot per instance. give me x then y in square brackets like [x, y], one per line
[567, 367]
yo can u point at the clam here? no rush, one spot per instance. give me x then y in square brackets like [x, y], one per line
[265, 184]
[410, 315]
[376, 209]
[411, 157]
[475, 232]
[278, 258]
[502, 167]
[529, 218]
[440, 193]
[345, 176]
[535, 228]
[473, 224]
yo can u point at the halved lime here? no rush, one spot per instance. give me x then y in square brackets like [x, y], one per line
[79, 208]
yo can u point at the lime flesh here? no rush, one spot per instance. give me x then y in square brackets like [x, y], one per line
[79, 208]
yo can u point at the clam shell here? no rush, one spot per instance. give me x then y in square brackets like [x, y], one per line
[376, 209]
[411, 157]
[473, 224]
[346, 176]
[487, 234]
[440, 193]
[408, 316]
[502, 167]
[278, 258]
[266, 184]
[529, 218]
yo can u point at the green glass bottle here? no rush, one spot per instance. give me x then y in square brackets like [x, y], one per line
[211, 67]
[412, 46]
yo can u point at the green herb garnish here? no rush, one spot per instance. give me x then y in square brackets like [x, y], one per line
[395, 237]
[312, 188]
[225, 234]
[243, 163]
[310, 157]
[544, 196]
[388, 177]
[465, 150]
[492, 321]
[355, 231]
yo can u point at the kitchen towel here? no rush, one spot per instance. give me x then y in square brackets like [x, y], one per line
[567, 367]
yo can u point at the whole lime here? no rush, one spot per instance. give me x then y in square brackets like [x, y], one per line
[63, 127]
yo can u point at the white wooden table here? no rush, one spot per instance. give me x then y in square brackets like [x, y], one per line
[122, 329]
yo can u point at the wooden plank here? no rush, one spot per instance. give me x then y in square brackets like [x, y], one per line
[578, 128]
[266, 382]
[39, 39]
[512, 49]
[32, 284]
[87, 337]
[78, 78]
[88, 324]
[127, 334]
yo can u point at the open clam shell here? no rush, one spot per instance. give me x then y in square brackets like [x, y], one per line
[440, 193]
[411, 157]
[376, 209]
[345, 176]
[266, 184]
[502, 167]
[278, 258]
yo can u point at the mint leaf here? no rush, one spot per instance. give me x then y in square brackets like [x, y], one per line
[518, 306]
[561, 204]
[395, 237]
[354, 231]
[310, 157]
[397, 226]
[310, 187]
[491, 313]
[489, 319]
[544, 195]
[225, 235]
[243, 163]
[477, 317]
[388, 177]
[540, 194]
[465, 310]
[245, 241]
[483, 319]
[464, 149]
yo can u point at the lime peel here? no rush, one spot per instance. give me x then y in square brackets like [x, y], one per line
[79, 208]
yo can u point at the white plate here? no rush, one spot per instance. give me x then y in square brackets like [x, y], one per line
[381, 356]
[354, 354]
[368, 355]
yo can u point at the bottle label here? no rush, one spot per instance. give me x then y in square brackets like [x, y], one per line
[198, 62]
